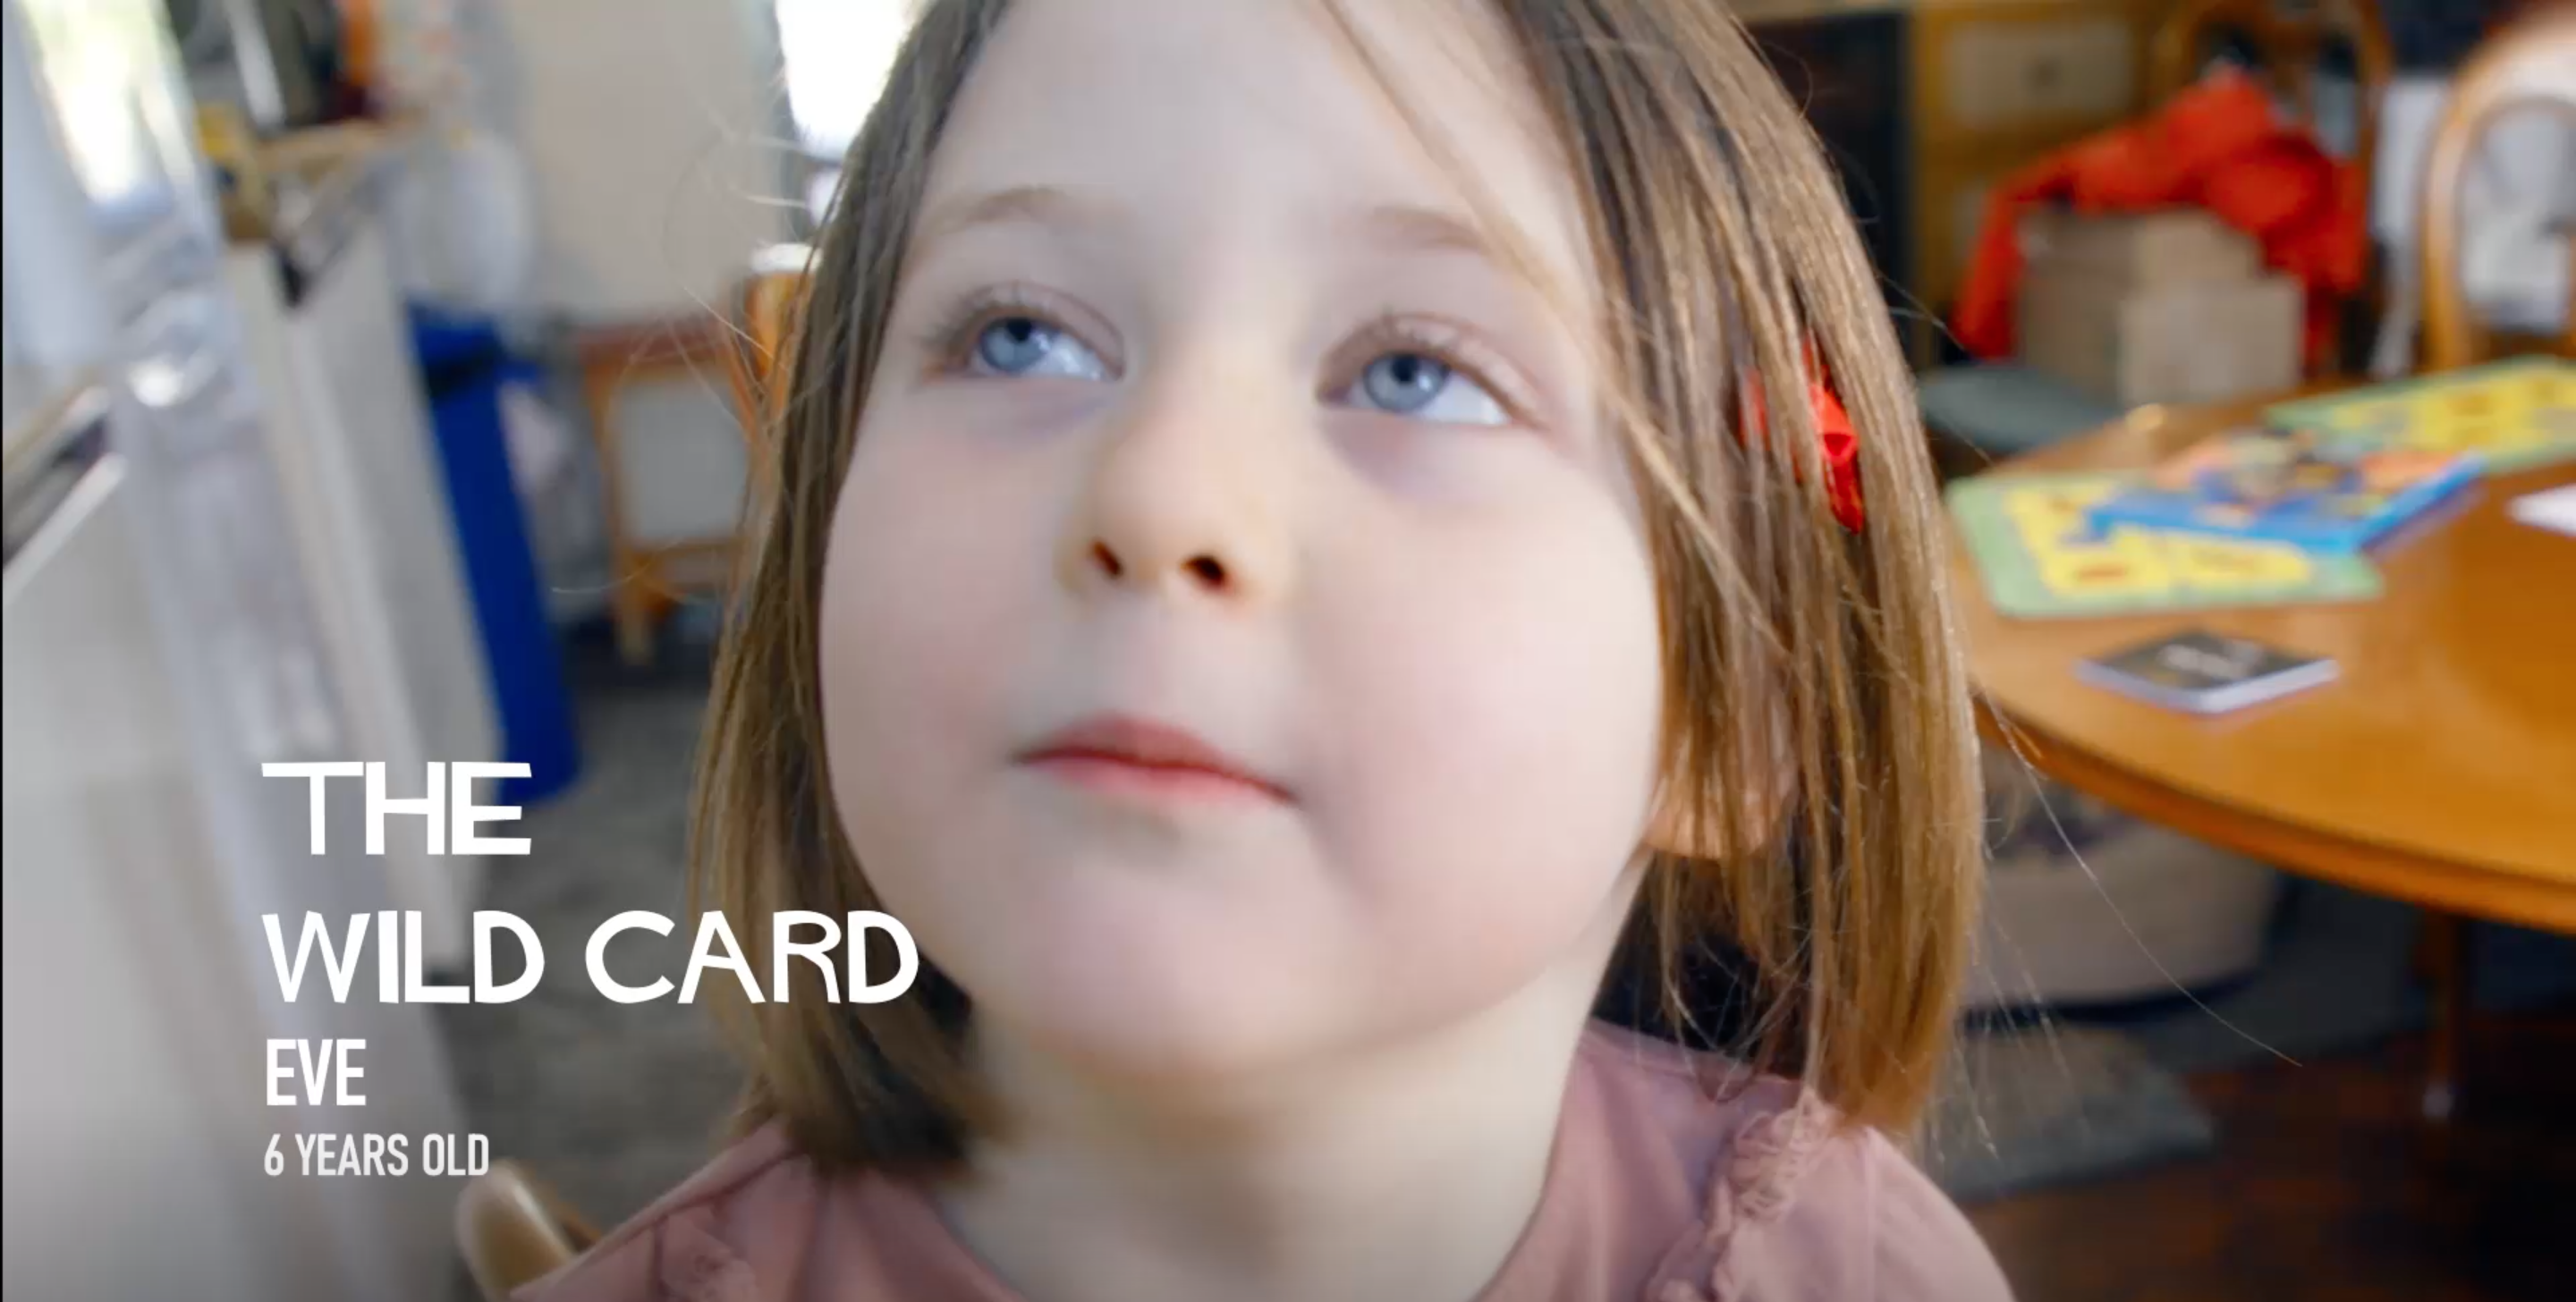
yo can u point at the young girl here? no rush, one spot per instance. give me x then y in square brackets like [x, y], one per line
[1303, 535]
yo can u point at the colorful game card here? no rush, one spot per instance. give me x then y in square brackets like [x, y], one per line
[2034, 542]
[2513, 414]
[2289, 486]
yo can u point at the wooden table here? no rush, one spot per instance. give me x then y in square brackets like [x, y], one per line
[2439, 769]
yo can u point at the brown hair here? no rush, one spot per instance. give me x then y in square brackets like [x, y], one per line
[1820, 789]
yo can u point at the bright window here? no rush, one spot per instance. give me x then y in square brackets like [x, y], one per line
[835, 55]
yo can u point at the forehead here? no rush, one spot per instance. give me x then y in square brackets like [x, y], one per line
[1268, 114]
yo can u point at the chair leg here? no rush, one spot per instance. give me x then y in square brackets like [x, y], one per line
[630, 602]
[2442, 961]
[634, 617]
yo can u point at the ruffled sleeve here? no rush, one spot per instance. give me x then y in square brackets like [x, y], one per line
[689, 1246]
[1926, 1250]
[1805, 1209]
[610, 1272]
[676, 1259]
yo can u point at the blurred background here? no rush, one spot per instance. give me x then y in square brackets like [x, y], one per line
[381, 379]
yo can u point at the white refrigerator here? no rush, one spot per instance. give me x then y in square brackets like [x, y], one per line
[161, 646]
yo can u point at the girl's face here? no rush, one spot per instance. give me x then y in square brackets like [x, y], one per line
[1239, 641]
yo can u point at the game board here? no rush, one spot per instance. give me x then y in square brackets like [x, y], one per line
[2041, 559]
[2514, 414]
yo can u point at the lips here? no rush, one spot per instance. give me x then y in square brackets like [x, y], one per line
[1124, 754]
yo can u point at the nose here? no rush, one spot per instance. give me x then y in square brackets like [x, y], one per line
[1180, 501]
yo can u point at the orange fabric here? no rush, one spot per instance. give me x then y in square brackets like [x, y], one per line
[2217, 146]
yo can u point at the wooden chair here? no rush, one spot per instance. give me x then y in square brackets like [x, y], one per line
[746, 343]
[513, 1231]
[2289, 41]
[2530, 63]
[763, 316]
[647, 576]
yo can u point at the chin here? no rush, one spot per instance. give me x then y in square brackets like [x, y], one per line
[1212, 950]
[1192, 1002]
[1145, 1004]
[1171, 973]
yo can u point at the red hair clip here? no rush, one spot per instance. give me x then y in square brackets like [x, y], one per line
[1842, 455]
[1841, 451]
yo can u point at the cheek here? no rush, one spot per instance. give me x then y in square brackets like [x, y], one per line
[884, 621]
[1495, 698]
[924, 594]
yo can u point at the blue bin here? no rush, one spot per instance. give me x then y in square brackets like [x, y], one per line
[466, 367]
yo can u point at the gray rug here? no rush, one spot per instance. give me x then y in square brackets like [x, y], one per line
[2044, 1104]
[2339, 976]
[610, 1103]
[615, 1103]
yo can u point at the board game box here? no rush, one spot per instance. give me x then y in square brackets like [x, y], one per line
[2035, 544]
[2290, 486]
[2513, 414]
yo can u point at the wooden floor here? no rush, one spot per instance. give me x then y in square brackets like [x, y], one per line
[2326, 1185]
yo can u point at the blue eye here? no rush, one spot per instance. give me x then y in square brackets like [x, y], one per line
[1025, 346]
[1418, 385]
[1013, 344]
[1404, 382]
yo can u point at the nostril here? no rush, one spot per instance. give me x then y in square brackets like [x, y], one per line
[1107, 560]
[1208, 570]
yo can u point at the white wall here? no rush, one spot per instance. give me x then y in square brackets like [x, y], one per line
[651, 132]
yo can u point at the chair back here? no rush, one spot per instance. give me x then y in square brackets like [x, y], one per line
[762, 320]
[2289, 40]
[2531, 63]
[513, 1231]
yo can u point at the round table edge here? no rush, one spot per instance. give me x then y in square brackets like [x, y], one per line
[2446, 885]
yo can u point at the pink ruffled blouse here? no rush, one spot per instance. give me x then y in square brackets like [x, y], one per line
[1655, 1193]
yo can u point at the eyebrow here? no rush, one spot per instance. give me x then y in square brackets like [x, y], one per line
[1425, 230]
[1036, 205]
[1398, 226]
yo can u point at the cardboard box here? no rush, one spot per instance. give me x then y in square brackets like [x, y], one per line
[2182, 244]
[2187, 341]
[2168, 307]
